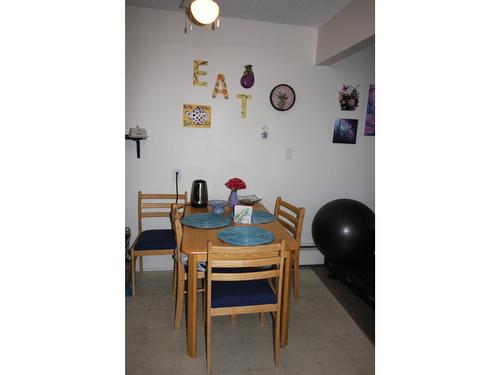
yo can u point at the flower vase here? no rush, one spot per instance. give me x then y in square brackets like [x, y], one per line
[233, 199]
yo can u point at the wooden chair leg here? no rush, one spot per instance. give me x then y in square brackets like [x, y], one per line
[132, 272]
[208, 334]
[179, 298]
[140, 264]
[261, 317]
[296, 276]
[233, 317]
[277, 325]
[174, 280]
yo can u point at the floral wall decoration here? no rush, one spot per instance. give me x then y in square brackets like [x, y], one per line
[348, 98]
[244, 98]
[197, 72]
[220, 81]
[370, 112]
[197, 116]
[344, 130]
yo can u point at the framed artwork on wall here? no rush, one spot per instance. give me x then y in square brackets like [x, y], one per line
[282, 97]
[197, 116]
[370, 112]
[348, 97]
[344, 130]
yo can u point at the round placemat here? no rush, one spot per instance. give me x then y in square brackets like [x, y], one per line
[245, 236]
[206, 221]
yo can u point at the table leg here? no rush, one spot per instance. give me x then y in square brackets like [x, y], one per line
[191, 305]
[285, 312]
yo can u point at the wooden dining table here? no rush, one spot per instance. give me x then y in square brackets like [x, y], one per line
[195, 244]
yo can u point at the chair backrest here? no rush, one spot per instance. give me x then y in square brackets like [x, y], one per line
[290, 217]
[220, 257]
[156, 205]
[175, 218]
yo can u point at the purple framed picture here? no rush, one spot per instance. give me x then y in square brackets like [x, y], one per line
[370, 112]
[344, 130]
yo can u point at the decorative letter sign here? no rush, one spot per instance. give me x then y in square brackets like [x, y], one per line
[220, 80]
[244, 98]
[197, 72]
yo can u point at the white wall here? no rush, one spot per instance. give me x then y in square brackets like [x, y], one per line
[159, 69]
[350, 30]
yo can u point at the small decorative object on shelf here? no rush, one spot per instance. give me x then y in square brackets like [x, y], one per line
[234, 184]
[348, 98]
[248, 78]
[137, 134]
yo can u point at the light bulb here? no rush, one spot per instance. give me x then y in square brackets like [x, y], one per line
[204, 11]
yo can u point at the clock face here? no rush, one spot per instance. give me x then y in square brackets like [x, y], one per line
[282, 97]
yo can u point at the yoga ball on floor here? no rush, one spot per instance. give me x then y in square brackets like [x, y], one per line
[344, 231]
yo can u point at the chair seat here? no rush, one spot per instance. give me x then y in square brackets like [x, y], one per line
[242, 293]
[155, 239]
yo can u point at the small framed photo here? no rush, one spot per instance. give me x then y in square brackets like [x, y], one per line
[243, 214]
[197, 116]
[344, 130]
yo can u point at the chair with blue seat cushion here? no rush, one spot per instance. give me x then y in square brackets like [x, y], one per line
[291, 218]
[153, 241]
[181, 266]
[240, 281]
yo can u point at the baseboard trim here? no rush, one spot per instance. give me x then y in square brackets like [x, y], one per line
[311, 256]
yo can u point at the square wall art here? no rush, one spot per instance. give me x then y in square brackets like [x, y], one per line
[197, 115]
[344, 130]
[370, 112]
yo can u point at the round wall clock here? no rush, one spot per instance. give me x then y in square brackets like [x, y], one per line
[282, 97]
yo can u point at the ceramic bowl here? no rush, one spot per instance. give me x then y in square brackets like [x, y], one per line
[217, 206]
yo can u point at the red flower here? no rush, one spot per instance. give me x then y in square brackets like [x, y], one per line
[235, 184]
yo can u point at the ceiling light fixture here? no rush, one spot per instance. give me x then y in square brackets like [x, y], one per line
[204, 11]
[201, 13]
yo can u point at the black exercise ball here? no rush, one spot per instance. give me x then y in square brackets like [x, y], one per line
[344, 230]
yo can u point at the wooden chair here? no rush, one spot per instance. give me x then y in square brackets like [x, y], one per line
[292, 219]
[153, 241]
[180, 266]
[237, 285]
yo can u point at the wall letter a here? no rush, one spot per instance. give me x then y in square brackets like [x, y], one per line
[221, 80]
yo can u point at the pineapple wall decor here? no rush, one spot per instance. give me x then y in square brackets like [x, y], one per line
[282, 97]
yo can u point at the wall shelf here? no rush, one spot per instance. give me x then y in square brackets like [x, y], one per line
[137, 144]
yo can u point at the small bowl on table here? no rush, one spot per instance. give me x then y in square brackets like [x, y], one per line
[249, 199]
[218, 206]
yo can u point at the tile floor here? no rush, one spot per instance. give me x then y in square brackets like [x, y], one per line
[323, 339]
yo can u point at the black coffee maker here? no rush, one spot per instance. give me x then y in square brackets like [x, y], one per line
[199, 194]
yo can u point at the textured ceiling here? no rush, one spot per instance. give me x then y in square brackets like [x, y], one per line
[293, 12]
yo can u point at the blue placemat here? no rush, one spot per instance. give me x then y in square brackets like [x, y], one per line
[206, 221]
[245, 236]
[260, 217]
